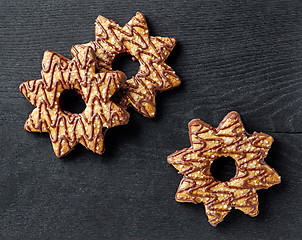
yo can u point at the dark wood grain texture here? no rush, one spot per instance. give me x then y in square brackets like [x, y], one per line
[231, 55]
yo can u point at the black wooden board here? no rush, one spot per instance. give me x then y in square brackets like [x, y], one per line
[231, 55]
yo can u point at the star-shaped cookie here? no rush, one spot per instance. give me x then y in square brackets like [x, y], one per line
[153, 75]
[67, 129]
[229, 139]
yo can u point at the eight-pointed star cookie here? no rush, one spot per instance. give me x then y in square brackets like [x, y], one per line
[67, 129]
[151, 52]
[229, 139]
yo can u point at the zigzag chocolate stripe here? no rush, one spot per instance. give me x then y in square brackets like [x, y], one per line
[228, 139]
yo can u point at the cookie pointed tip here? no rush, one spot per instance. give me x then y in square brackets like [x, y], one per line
[48, 53]
[173, 40]
[194, 122]
[152, 114]
[232, 114]
[27, 125]
[99, 151]
[61, 154]
[198, 122]
[214, 224]
[169, 159]
[101, 17]
[278, 181]
[254, 214]
[21, 86]
[140, 14]
[26, 128]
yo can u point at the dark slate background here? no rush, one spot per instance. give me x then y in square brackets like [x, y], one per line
[231, 55]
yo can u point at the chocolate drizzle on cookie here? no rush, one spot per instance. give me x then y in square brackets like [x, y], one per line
[151, 52]
[229, 139]
[67, 129]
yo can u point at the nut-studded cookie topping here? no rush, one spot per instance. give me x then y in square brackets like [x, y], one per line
[229, 139]
[151, 52]
[67, 129]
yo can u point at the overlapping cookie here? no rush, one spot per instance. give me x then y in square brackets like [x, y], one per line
[67, 129]
[229, 139]
[151, 52]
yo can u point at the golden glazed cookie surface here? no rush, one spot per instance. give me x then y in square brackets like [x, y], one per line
[229, 139]
[151, 52]
[67, 129]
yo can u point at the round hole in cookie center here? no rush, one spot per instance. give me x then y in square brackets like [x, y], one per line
[223, 169]
[72, 101]
[127, 64]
